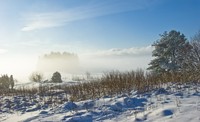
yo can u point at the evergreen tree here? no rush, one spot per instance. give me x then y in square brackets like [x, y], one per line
[170, 53]
[56, 78]
[4, 82]
[12, 83]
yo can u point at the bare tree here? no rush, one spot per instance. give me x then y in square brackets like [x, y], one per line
[195, 52]
[36, 77]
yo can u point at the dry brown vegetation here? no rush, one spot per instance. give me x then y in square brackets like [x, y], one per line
[115, 83]
[110, 84]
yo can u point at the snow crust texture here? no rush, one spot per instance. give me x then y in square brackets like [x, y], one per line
[165, 104]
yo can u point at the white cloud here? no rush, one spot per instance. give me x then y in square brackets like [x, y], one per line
[116, 59]
[134, 51]
[35, 21]
[37, 25]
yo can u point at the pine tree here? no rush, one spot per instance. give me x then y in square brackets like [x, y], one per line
[170, 52]
[56, 78]
[12, 83]
[4, 82]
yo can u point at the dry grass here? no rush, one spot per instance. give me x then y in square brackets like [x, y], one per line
[110, 84]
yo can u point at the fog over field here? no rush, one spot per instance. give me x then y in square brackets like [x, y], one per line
[77, 64]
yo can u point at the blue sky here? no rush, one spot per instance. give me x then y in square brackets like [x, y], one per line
[95, 24]
[29, 28]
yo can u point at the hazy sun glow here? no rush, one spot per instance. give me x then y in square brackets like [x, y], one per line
[20, 67]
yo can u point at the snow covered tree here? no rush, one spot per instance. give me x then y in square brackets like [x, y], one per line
[195, 52]
[56, 78]
[170, 53]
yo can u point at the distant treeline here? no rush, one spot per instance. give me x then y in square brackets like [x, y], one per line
[59, 55]
[56, 61]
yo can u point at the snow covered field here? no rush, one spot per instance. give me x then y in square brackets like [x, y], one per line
[166, 105]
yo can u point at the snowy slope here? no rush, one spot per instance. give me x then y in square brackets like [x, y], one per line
[182, 105]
